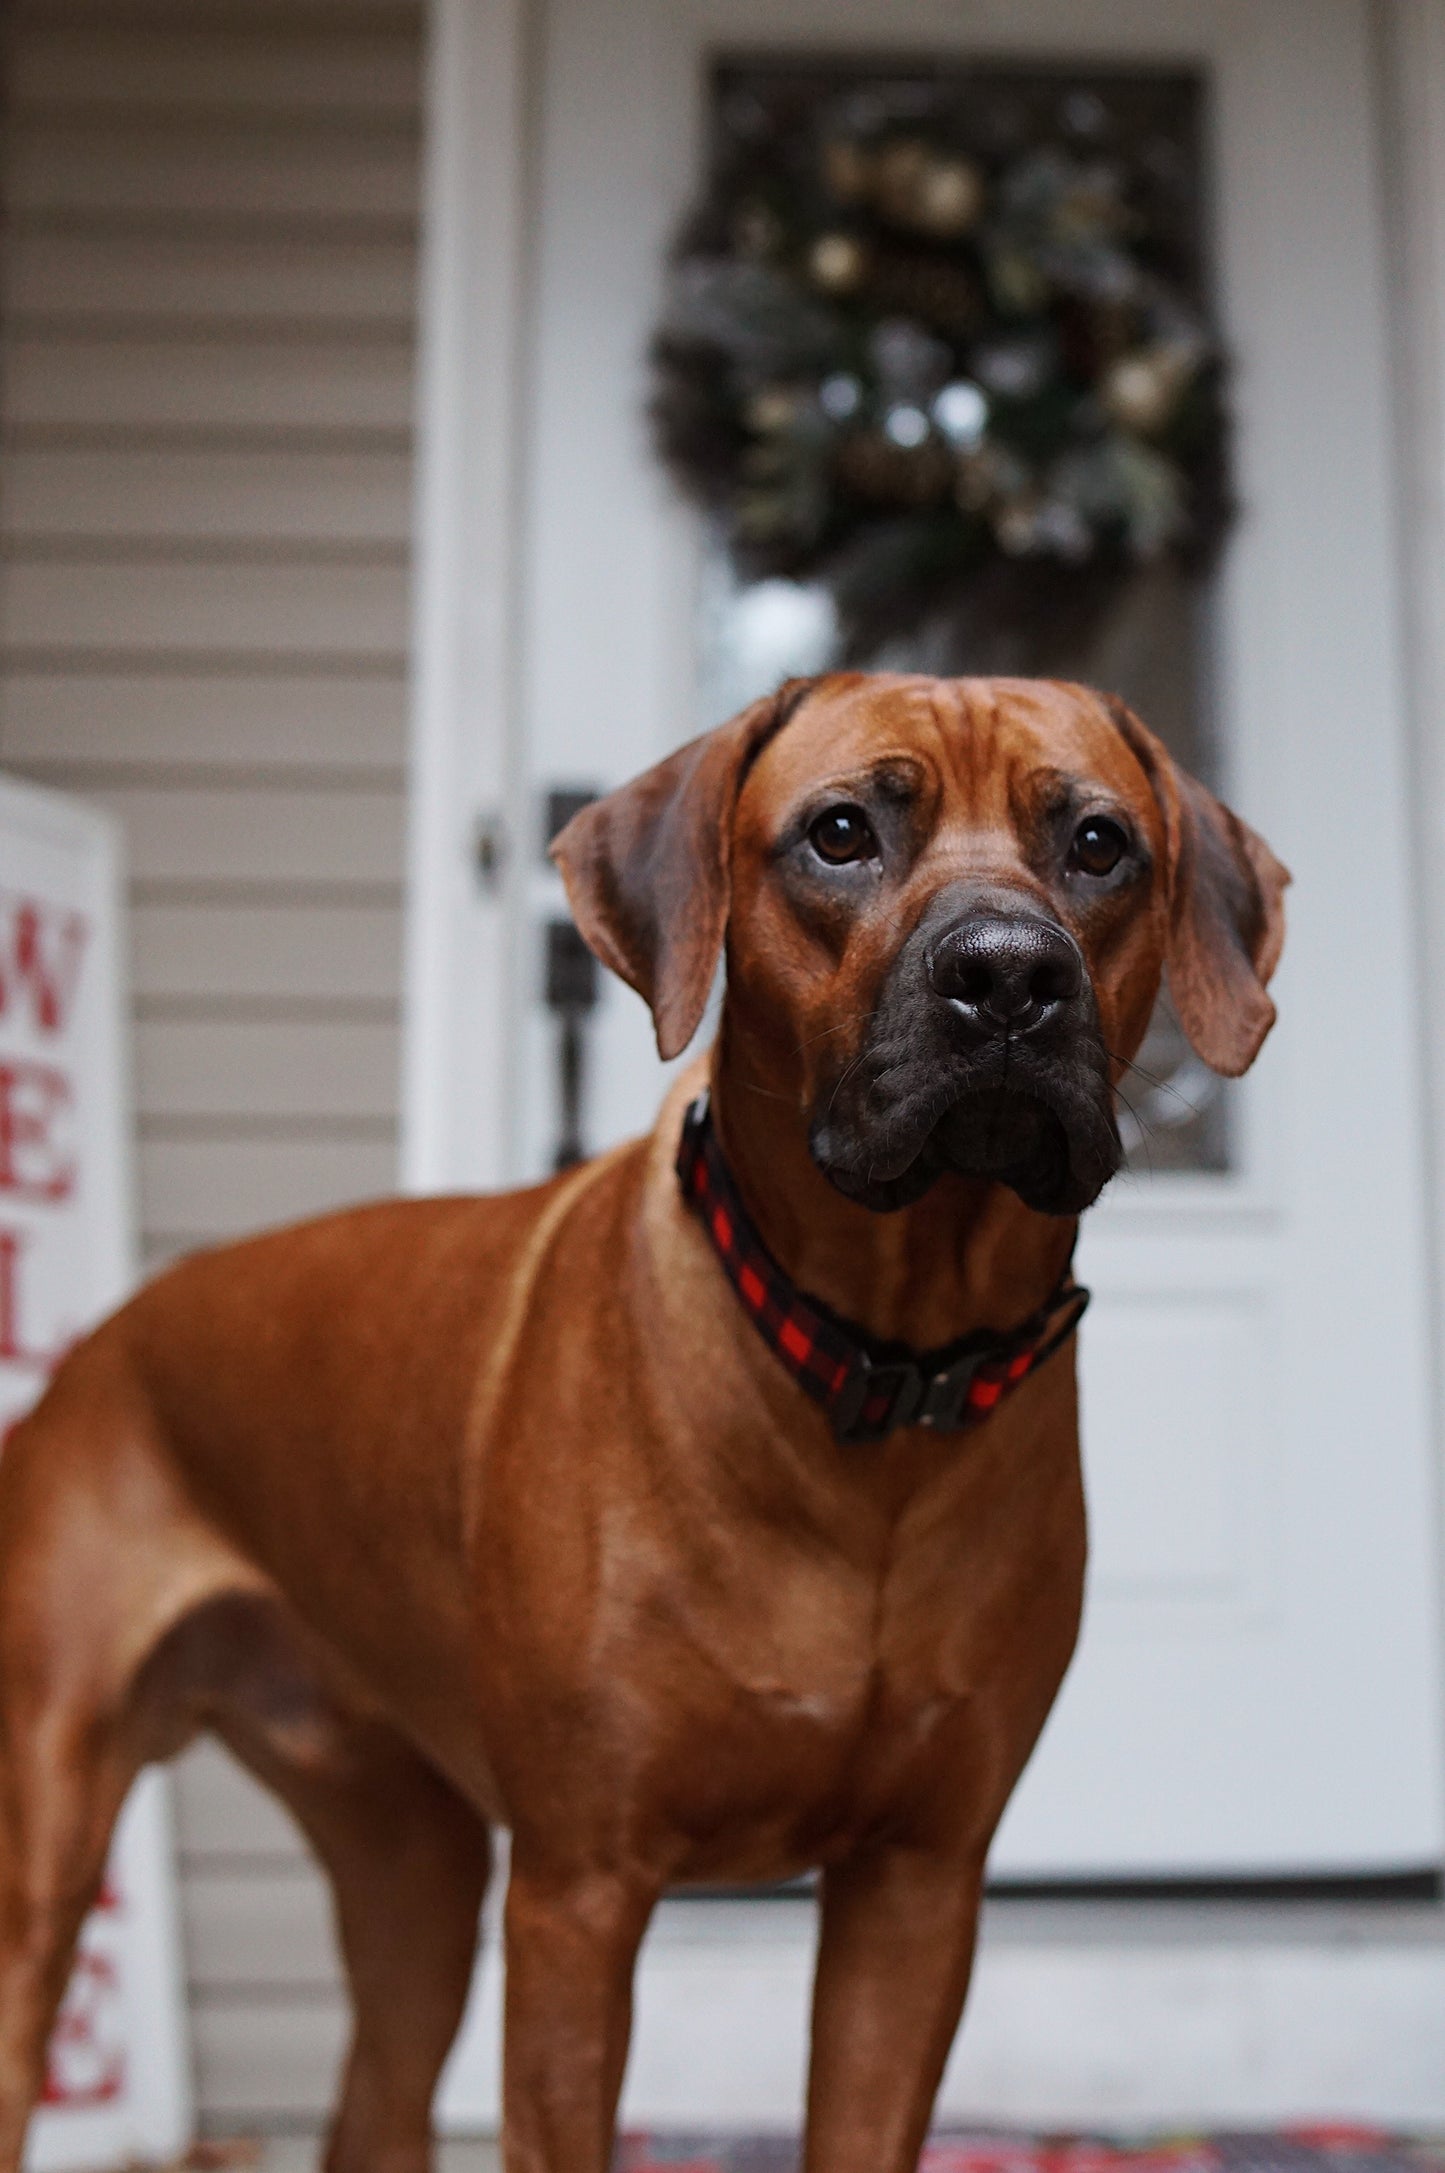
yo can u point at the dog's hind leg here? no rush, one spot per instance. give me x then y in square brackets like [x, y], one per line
[92, 1563]
[126, 1625]
[408, 1865]
[61, 1787]
[407, 1857]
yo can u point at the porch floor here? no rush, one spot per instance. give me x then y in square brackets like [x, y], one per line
[1339, 2151]
[1239, 2014]
[302, 2154]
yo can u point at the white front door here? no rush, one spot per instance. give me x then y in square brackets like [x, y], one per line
[1255, 1693]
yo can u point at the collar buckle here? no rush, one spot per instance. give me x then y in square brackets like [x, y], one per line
[882, 1394]
[878, 1395]
[946, 1395]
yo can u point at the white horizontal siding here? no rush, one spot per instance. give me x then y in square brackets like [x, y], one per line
[276, 1070]
[281, 63]
[109, 272]
[251, 961]
[206, 305]
[266, 1924]
[61, 494]
[127, 165]
[202, 1181]
[309, 837]
[186, 605]
[232, 382]
[181, 720]
[265, 2058]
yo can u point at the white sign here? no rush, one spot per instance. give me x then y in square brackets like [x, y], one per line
[117, 2085]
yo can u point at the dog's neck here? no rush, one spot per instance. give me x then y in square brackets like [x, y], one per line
[968, 1255]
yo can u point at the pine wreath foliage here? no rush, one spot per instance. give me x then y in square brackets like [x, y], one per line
[941, 337]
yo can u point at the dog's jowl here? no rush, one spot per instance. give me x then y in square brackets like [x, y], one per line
[710, 1512]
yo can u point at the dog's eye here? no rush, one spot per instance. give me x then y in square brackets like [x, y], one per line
[1099, 845]
[841, 835]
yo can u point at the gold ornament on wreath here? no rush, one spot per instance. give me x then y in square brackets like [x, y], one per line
[904, 359]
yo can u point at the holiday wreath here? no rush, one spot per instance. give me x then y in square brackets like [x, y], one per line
[944, 347]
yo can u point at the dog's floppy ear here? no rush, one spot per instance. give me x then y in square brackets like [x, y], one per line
[647, 871]
[1226, 910]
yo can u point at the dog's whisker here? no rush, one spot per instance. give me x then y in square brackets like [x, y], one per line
[858, 1018]
[1152, 1079]
[1145, 1130]
[843, 1079]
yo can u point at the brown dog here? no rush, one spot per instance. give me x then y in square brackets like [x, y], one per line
[453, 1513]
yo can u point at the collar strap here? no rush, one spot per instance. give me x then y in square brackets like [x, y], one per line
[868, 1388]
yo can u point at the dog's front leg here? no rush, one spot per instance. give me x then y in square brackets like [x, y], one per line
[571, 1938]
[893, 1964]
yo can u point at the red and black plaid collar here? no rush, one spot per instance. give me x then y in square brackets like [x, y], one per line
[867, 1388]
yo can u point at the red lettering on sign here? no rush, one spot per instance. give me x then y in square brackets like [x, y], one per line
[13, 1347]
[40, 947]
[36, 1160]
[86, 2063]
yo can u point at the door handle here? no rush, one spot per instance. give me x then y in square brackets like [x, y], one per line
[489, 850]
[570, 992]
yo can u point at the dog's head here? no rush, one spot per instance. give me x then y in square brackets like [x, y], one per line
[947, 905]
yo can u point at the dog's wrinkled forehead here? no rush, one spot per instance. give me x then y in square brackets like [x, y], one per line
[826, 816]
[967, 751]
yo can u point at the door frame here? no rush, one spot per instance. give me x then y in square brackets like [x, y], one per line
[462, 932]
[1409, 47]
[462, 894]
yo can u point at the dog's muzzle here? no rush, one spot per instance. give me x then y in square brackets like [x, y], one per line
[984, 1056]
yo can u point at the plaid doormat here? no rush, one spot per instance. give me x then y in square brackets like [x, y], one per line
[1335, 2149]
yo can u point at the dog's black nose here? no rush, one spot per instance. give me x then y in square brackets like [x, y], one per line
[1007, 971]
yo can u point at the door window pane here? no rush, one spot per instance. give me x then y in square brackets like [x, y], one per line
[887, 200]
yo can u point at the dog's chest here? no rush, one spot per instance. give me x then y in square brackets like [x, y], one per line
[807, 1707]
